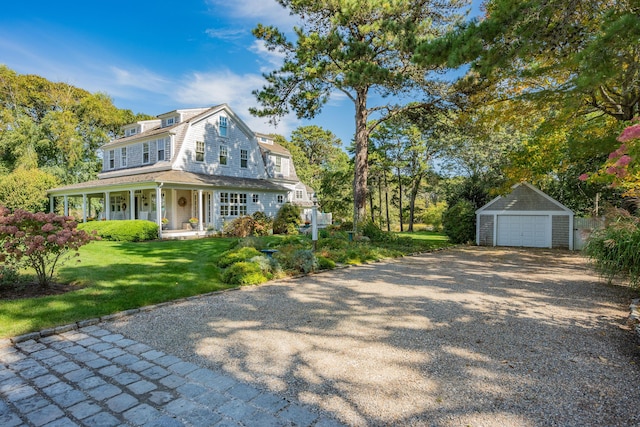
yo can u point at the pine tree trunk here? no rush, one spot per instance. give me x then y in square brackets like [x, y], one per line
[386, 201]
[361, 167]
[400, 198]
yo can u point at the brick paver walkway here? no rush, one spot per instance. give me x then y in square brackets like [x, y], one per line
[93, 377]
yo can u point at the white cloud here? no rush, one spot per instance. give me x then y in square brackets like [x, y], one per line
[224, 86]
[226, 33]
[267, 12]
[139, 79]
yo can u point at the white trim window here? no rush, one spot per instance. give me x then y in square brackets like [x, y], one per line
[145, 153]
[161, 149]
[280, 198]
[123, 157]
[255, 198]
[199, 151]
[222, 126]
[299, 194]
[112, 159]
[244, 159]
[278, 164]
[224, 155]
[233, 204]
[171, 121]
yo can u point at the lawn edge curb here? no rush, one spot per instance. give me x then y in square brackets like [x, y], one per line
[6, 342]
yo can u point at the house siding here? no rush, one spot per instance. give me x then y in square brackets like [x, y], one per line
[207, 132]
[560, 231]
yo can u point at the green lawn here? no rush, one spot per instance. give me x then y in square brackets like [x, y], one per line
[116, 276]
[119, 276]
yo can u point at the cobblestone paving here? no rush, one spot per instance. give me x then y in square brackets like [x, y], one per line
[93, 377]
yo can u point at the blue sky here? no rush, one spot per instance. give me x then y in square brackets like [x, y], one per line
[156, 56]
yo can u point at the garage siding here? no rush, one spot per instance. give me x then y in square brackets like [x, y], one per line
[486, 230]
[560, 231]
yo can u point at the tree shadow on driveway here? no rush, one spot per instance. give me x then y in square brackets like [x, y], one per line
[477, 336]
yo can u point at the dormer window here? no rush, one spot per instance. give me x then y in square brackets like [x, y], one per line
[199, 151]
[132, 131]
[278, 164]
[145, 152]
[161, 148]
[222, 126]
[171, 121]
[112, 159]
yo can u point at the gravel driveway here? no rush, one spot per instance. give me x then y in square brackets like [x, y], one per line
[468, 336]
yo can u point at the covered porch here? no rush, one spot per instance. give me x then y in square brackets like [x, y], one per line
[183, 204]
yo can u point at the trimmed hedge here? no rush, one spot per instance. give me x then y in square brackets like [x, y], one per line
[136, 230]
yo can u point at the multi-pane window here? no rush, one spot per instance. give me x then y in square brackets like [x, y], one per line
[278, 166]
[255, 198]
[123, 156]
[280, 198]
[222, 126]
[145, 152]
[112, 159]
[299, 194]
[224, 155]
[243, 204]
[233, 204]
[199, 151]
[171, 121]
[160, 149]
[224, 204]
[244, 158]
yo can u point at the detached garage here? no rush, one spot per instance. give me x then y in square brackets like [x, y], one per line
[526, 217]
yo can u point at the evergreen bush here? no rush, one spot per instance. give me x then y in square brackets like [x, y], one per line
[459, 222]
[233, 256]
[287, 220]
[244, 273]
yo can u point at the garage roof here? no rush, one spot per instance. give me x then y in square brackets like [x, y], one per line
[524, 197]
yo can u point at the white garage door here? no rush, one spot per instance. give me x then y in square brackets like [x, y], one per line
[532, 231]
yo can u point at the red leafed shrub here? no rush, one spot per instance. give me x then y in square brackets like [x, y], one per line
[40, 241]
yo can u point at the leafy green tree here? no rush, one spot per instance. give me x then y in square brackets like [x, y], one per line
[585, 53]
[360, 48]
[26, 189]
[55, 126]
[319, 148]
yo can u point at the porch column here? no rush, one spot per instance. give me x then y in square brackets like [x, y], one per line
[84, 207]
[51, 204]
[66, 205]
[132, 205]
[107, 206]
[200, 215]
[159, 211]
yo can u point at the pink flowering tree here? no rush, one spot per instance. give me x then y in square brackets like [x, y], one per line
[622, 168]
[38, 240]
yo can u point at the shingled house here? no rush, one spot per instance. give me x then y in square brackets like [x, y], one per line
[202, 163]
